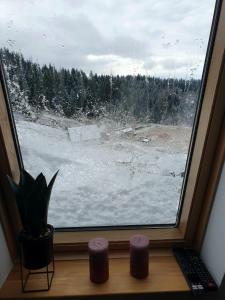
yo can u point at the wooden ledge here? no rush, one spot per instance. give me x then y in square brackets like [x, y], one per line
[72, 280]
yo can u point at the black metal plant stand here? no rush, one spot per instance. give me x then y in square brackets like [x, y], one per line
[48, 274]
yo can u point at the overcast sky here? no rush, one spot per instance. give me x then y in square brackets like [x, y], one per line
[165, 38]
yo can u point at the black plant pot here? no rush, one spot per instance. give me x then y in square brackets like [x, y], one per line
[36, 253]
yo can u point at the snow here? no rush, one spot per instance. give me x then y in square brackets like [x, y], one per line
[126, 130]
[106, 179]
[145, 140]
[84, 133]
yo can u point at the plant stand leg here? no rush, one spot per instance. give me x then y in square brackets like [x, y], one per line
[25, 278]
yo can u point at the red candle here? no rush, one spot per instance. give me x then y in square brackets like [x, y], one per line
[139, 256]
[98, 260]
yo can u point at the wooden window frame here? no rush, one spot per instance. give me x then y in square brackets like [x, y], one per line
[206, 164]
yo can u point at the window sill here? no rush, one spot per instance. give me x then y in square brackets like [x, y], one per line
[72, 279]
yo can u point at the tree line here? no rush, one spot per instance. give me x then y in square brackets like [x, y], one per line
[73, 93]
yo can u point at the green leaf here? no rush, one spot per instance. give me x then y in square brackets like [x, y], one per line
[19, 199]
[48, 195]
[14, 187]
[49, 189]
[25, 178]
[37, 205]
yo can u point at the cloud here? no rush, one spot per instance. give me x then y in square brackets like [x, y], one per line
[123, 36]
[115, 64]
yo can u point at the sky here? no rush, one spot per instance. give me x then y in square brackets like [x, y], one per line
[163, 38]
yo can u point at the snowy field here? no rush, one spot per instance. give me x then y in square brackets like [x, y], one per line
[109, 175]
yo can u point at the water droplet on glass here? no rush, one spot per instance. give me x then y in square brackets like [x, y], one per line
[11, 43]
[44, 35]
[166, 45]
[9, 24]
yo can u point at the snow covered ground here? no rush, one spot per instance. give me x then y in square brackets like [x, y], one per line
[118, 177]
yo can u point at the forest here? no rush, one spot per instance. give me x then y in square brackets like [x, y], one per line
[72, 93]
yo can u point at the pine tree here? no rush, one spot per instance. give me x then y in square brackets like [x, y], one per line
[34, 88]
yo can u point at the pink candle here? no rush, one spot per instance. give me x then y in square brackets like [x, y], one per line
[139, 256]
[98, 260]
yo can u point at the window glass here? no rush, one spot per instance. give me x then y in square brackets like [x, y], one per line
[106, 92]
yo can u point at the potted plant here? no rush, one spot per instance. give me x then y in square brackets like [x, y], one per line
[36, 238]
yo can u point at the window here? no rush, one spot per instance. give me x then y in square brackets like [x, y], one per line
[124, 128]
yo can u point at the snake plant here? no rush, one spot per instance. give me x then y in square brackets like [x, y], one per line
[32, 198]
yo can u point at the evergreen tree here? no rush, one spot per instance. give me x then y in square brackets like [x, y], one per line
[35, 88]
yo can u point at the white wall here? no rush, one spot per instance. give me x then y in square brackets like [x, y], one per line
[5, 260]
[213, 250]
